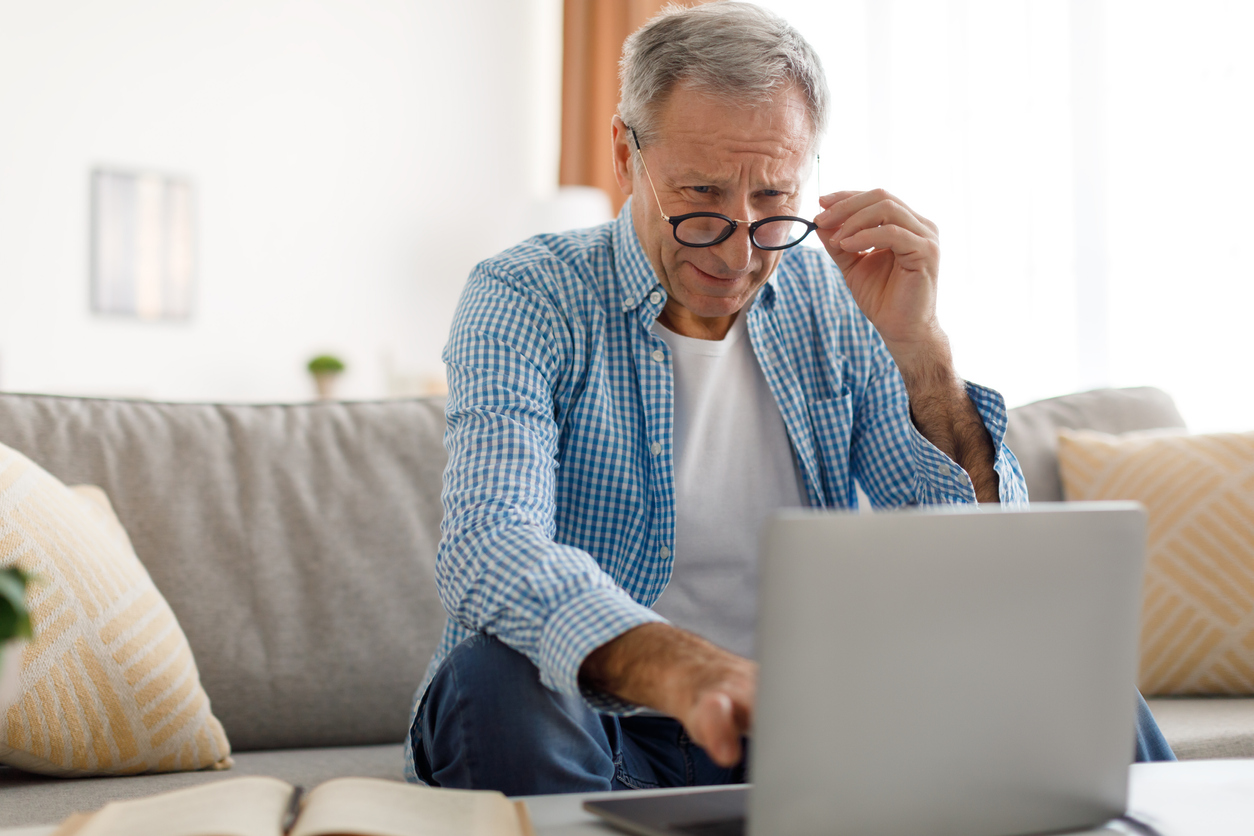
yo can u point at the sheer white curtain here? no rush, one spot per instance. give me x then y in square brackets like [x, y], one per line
[1089, 166]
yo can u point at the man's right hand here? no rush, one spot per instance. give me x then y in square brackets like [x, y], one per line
[709, 690]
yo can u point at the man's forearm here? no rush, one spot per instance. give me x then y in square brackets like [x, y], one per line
[708, 689]
[943, 413]
[653, 665]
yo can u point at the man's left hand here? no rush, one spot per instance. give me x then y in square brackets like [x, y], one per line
[890, 256]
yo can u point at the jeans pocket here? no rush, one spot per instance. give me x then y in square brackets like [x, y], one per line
[625, 778]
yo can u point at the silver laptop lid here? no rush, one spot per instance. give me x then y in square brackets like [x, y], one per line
[955, 670]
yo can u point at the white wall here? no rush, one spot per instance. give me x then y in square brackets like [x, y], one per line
[352, 161]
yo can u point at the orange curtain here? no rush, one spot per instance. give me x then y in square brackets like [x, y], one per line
[592, 42]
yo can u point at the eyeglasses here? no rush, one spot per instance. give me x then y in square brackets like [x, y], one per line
[705, 229]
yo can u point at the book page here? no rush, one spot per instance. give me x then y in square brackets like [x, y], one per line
[374, 807]
[235, 807]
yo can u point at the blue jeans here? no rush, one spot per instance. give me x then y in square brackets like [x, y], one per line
[486, 722]
[1150, 743]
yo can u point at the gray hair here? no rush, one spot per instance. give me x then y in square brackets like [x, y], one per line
[734, 51]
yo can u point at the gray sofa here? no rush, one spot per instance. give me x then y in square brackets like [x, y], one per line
[296, 545]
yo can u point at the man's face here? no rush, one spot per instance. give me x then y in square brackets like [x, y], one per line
[708, 156]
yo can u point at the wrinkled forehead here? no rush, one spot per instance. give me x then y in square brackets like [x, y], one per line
[700, 133]
[783, 114]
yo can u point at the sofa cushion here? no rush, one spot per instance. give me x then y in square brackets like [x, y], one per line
[1032, 430]
[1197, 625]
[32, 800]
[108, 682]
[295, 544]
[1206, 727]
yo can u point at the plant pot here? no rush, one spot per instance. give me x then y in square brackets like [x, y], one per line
[325, 384]
[10, 672]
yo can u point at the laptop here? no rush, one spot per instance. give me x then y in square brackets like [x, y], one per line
[952, 670]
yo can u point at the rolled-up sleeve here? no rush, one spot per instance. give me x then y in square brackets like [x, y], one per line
[897, 465]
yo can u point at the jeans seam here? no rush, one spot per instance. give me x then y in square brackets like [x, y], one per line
[417, 743]
[463, 726]
[685, 747]
[621, 773]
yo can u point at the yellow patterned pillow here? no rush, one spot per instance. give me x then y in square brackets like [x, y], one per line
[108, 684]
[1197, 622]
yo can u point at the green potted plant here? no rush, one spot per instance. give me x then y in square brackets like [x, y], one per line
[15, 629]
[325, 368]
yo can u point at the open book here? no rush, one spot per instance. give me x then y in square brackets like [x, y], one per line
[258, 806]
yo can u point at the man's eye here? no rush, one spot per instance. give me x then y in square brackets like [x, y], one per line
[772, 193]
[702, 189]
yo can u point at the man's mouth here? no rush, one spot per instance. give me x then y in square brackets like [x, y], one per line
[711, 277]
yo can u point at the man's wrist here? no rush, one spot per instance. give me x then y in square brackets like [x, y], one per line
[927, 369]
[617, 667]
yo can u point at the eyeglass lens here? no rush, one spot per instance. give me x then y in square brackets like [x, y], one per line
[702, 231]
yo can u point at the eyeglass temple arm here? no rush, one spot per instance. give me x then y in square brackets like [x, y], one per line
[647, 175]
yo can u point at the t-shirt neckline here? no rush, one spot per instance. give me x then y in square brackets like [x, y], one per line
[693, 345]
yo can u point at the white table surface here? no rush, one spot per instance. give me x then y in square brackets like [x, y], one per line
[1210, 798]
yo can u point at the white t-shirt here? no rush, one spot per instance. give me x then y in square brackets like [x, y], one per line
[733, 466]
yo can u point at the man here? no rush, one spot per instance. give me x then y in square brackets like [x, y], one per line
[628, 403]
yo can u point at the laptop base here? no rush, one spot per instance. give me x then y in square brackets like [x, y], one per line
[708, 812]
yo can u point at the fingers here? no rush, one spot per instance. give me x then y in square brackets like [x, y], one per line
[717, 727]
[870, 209]
[835, 197]
[905, 244]
[883, 213]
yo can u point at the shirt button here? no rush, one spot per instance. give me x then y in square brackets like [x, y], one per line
[655, 297]
[658, 356]
[629, 301]
[955, 472]
[664, 552]
[656, 448]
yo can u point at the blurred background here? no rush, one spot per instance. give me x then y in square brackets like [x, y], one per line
[328, 172]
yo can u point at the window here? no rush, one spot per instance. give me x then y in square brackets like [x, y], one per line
[1088, 165]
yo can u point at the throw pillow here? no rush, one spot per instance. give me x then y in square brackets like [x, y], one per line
[108, 683]
[1197, 621]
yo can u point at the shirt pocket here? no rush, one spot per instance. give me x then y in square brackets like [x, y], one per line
[832, 422]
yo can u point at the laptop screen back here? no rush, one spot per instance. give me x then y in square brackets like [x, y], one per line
[946, 671]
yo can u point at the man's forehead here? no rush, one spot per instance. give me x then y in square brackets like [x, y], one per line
[779, 175]
[775, 133]
[700, 157]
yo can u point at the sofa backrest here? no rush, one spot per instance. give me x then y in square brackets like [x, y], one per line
[1032, 429]
[296, 545]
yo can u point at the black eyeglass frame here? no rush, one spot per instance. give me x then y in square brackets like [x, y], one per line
[732, 223]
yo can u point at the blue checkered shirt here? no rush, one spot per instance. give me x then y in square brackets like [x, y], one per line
[559, 509]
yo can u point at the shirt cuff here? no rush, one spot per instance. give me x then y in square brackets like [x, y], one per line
[1012, 489]
[942, 481]
[581, 626]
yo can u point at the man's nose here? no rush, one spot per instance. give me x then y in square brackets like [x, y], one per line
[737, 251]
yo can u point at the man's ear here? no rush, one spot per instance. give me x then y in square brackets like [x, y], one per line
[621, 147]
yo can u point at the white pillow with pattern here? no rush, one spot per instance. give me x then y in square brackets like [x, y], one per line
[108, 685]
